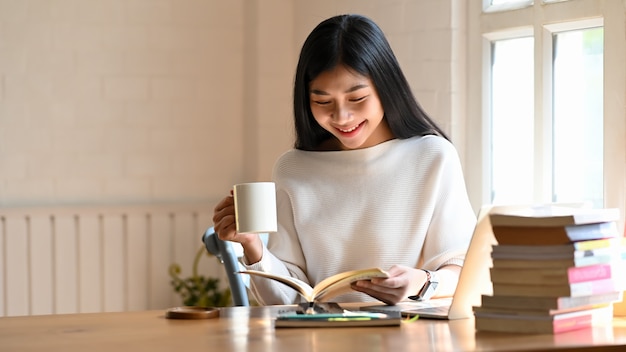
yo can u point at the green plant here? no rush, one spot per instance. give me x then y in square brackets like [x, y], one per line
[198, 290]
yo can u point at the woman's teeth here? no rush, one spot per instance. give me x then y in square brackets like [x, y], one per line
[350, 130]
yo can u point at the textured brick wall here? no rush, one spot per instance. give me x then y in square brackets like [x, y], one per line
[115, 101]
[143, 101]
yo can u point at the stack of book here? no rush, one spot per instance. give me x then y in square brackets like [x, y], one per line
[553, 272]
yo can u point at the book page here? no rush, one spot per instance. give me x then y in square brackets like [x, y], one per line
[327, 288]
[304, 289]
[340, 283]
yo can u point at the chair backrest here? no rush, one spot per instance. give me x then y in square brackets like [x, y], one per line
[225, 252]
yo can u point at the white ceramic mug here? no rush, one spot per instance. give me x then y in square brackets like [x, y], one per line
[255, 207]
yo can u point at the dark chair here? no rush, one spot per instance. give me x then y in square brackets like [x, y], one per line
[225, 252]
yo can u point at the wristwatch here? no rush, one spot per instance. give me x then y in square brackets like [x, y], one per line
[428, 290]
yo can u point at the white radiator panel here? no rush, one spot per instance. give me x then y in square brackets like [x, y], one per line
[83, 259]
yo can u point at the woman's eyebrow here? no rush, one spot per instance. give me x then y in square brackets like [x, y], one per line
[357, 87]
[349, 90]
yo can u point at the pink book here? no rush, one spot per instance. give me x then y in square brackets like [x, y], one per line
[583, 319]
[593, 272]
[543, 324]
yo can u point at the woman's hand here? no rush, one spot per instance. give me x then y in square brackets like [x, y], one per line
[226, 229]
[404, 281]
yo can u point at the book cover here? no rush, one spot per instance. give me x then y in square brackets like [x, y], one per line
[574, 290]
[325, 289]
[553, 235]
[548, 303]
[553, 217]
[510, 311]
[560, 251]
[538, 324]
[553, 276]
[559, 263]
[335, 320]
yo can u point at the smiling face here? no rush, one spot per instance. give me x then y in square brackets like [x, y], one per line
[346, 104]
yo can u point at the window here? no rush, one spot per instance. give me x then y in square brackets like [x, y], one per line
[546, 102]
[512, 120]
[577, 116]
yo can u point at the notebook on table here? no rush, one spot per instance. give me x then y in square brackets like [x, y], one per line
[474, 280]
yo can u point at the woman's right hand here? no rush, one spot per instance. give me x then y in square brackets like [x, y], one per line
[226, 229]
[224, 219]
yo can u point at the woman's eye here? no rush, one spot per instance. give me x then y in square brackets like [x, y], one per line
[320, 102]
[358, 99]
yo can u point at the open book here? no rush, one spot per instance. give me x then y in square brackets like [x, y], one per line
[327, 288]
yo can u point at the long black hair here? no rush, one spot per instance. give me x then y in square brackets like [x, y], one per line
[358, 43]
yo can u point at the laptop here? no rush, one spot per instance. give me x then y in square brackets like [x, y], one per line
[474, 280]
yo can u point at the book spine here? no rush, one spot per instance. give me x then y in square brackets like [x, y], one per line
[552, 276]
[566, 250]
[515, 235]
[571, 302]
[490, 323]
[589, 273]
[553, 235]
[596, 287]
[558, 263]
[574, 290]
[531, 313]
[548, 303]
[595, 259]
[540, 324]
[527, 253]
[597, 244]
[602, 230]
[575, 321]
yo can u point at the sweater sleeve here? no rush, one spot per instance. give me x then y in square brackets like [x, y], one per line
[453, 219]
[285, 242]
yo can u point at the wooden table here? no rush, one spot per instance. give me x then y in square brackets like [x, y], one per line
[251, 329]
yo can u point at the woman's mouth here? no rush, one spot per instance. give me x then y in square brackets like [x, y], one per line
[350, 129]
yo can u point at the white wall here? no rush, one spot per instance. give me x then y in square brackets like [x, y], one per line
[144, 101]
[119, 101]
[114, 102]
[109, 103]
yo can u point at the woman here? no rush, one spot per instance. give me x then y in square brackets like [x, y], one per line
[372, 181]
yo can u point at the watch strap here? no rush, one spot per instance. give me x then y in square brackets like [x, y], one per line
[428, 290]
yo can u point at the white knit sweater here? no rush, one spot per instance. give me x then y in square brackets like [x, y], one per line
[399, 202]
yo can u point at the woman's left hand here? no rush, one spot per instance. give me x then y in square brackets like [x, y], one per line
[403, 281]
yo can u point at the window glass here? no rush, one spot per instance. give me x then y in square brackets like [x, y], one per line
[511, 2]
[504, 5]
[578, 116]
[512, 120]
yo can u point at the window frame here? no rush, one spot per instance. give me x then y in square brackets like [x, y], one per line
[542, 20]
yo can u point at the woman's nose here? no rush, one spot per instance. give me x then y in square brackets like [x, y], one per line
[341, 113]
